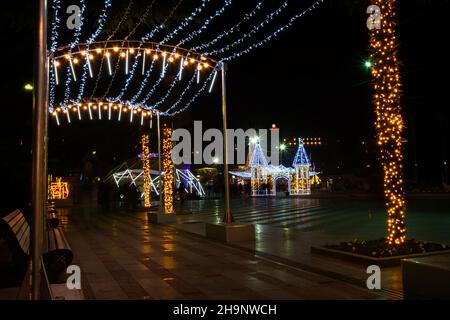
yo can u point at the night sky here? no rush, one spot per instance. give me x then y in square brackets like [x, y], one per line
[310, 81]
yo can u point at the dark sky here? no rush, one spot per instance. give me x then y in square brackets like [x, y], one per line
[310, 82]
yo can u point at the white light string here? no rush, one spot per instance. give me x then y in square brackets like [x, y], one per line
[87, 65]
[72, 45]
[112, 34]
[169, 36]
[194, 76]
[254, 30]
[135, 64]
[230, 31]
[206, 23]
[144, 82]
[242, 41]
[193, 34]
[56, 6]
[189, 103]
[274, 34]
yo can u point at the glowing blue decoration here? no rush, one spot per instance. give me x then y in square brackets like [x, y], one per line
[152, 90]
[274, 34]
[182, 93]
[144, 82]
[151, 34]
[206, 23]
[101, 22]
[155, 30]
[124, 17]
[189, 103]
[72, 45]
[56, 6]
[258, 158]
[77, 32]
[301, 157]
[185, 22]
[229, 31]
[244, 42]
[92, 38]
[164, 98]
[254, 30]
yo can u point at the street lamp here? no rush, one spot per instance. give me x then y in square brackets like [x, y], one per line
[28, 87]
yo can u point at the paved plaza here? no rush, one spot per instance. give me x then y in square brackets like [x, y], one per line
[123, 256]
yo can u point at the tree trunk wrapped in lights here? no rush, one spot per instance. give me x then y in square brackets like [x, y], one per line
[167, 167]
[386, 84]
[146, 167]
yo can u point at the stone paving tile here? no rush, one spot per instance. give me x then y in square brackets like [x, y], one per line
[126, 258]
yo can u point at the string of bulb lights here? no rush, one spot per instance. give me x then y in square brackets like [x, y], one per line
[131, 56]
[145, 144]
[167, 168]
[170, 35]
[389, 123]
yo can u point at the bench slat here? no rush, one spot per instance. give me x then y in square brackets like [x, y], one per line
[21, 233]
[17, 222]
[25, 240]
[11, 216]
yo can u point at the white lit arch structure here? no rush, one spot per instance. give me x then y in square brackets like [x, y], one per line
[140, 58]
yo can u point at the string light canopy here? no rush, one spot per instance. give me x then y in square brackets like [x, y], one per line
[169, 67]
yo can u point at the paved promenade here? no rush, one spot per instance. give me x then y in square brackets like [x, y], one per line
[123, 256]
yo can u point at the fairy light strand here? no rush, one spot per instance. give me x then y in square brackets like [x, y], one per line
[231, 30]
[274, 34]
[253, 31]
[206, 23]
[191, 101]
[386, 85]
[167, 167]
[145, 141]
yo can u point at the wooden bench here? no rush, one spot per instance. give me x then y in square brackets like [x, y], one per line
[15, 230]
[58, 255]
[52, 219]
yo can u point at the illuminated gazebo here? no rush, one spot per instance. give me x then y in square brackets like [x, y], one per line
[263, 177]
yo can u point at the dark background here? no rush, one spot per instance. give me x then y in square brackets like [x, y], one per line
[310, 81]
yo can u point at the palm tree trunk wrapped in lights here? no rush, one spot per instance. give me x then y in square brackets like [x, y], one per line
[386, 84]
[167, 168]
[146, 167]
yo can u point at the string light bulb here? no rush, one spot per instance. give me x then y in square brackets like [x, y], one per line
[386, 85]
[167, 167]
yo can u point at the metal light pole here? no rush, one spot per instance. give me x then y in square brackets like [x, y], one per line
[228, 217]
[39, 178]
[159, 164]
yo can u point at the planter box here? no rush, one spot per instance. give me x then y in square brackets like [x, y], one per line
[427, 277]
[366, 260]
[233, 232]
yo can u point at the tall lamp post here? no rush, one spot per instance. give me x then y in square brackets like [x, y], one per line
[160, 184]
[39, 179]
[228, 216]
